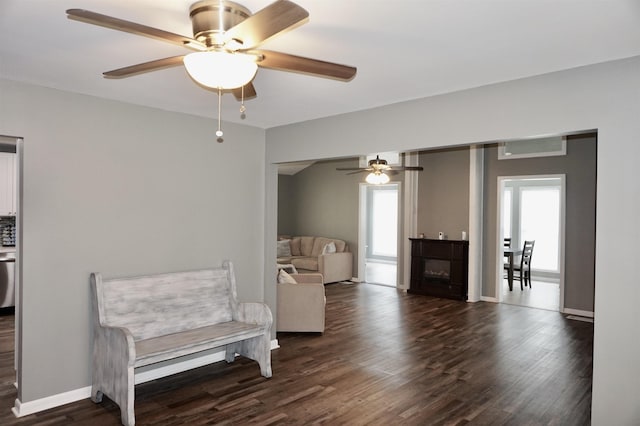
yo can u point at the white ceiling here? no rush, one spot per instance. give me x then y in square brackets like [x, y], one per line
[403, 49]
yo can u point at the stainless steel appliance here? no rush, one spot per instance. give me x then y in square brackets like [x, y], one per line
[7, 281]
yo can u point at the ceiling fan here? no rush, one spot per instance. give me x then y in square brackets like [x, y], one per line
[225, 37]
[379, 170]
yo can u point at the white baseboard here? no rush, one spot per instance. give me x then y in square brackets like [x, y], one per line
[578, 312]
[488, 299]
[22, 409]
[356, 280]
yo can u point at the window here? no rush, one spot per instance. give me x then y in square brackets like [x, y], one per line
[384, 222]
[540, 221]
[506, 212]
[543, 147]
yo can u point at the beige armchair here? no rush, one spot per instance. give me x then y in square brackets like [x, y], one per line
[301, 306]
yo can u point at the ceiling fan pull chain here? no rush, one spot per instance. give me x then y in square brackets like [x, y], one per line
[243, 109]
[219, 131]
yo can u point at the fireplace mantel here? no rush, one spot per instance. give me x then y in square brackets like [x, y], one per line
[439, 268]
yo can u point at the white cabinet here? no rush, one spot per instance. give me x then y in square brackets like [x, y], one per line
[8, 188]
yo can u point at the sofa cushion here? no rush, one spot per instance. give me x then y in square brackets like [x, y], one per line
[341, 246]
[286, 259]
[308, 263]
[284, 248]
[306, 246]
[295, 246]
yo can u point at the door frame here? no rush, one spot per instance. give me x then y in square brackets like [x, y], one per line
[17, 355]
[499, 246]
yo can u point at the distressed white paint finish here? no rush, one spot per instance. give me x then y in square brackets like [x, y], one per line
[144, 320]
[151, 306]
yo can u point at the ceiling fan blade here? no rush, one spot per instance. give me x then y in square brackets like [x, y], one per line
[249, 92]
[359, 171]
[285, 62]
[343, 169]
[132, 70]
[419, 168]
[273, 19]
[133, 28]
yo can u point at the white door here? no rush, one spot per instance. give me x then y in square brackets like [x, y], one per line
[379, 226]
[533, 209]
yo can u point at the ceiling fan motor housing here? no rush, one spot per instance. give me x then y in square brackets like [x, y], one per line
[210, 19]
[377, 162]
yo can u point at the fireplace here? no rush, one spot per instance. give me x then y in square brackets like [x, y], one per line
[439, 268]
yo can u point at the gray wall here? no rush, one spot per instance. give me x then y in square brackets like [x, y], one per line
[605, 97]
[123, 190]
[325, 202]
[286, 205]
[443, 192]
[579, 166]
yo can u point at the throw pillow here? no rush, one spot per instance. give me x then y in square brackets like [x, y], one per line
[284, 277]
[284, 249]
[329, 248]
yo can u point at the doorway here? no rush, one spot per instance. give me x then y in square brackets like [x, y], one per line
[532, 209]
[378, 260]
[11, 247]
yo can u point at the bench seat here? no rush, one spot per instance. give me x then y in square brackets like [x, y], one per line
[162, 348]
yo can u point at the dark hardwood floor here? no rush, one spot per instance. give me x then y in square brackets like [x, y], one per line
[386, 358]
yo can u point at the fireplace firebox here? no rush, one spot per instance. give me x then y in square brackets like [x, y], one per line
[439, 268]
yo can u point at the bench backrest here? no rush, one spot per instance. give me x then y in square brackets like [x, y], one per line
[156, 305]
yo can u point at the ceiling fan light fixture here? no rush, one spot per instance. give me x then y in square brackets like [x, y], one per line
[377, 178]
[220, 70]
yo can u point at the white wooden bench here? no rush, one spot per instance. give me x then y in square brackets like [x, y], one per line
[149, 319]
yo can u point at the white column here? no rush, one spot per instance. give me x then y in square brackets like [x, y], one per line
[410, 219]
[476, 194]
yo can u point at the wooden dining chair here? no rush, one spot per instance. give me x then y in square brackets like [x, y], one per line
[506, 244]
[524, 269]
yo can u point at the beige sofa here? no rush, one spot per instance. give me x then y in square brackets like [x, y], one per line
[301, 306]
[328, 256]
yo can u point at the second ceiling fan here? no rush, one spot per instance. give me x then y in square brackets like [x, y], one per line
[379, 170]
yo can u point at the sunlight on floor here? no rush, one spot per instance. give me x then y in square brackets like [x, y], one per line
[381, 273]
[541, 295]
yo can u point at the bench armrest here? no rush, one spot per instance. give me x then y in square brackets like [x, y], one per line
[114, 343]
[254, 313]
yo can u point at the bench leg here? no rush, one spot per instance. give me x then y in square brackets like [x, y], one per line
[127, 415]
[230, 352]
[124, 393]
[96, 394]
[258, 349]
[115, 380]
[262, 353]
[263, 356]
